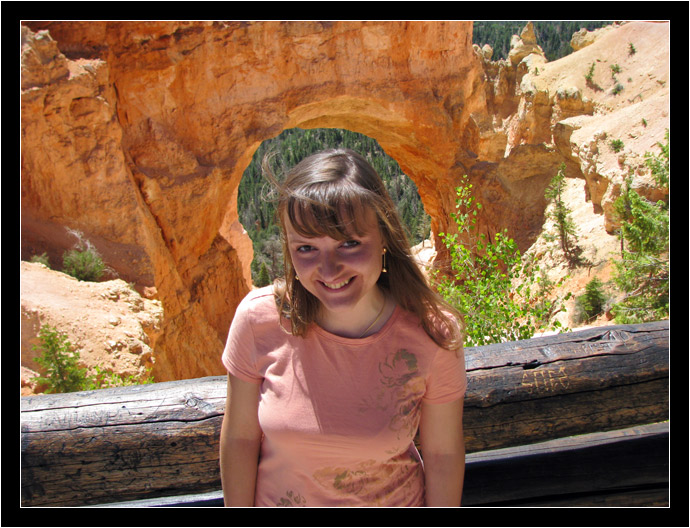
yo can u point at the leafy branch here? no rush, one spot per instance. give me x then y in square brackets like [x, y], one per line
[503, 296]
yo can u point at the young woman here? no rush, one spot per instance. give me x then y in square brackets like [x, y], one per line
[332, 371]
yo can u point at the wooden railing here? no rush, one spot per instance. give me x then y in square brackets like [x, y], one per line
[548, 421]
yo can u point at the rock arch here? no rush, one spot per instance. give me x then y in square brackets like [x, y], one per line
[154, 124]
[137, 135]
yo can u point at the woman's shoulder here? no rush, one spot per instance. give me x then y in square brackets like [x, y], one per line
[442, 330]
[409, 326]
[259, 302]
[259, 294]
[439, 320]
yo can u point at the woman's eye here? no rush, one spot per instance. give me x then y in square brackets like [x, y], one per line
[351, 243]
[304, 249]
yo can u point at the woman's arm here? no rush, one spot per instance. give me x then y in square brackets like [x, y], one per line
[443, 452]
[240, 443]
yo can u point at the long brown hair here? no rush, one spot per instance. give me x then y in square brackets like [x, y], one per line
[325, 195]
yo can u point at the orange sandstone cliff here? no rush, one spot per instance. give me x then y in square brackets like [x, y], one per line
[136, 134]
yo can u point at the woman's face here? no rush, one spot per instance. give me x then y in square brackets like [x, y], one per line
[342, 274]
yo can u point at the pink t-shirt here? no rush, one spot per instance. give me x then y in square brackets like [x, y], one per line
[339, 415]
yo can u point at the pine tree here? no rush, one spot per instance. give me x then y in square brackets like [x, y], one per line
[263, 279]
[643, 272]
[561, 214]
[591, 303]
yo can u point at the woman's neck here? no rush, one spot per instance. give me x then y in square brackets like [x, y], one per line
[360, 322]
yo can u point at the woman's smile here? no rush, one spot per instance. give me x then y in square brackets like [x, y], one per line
[339, 285]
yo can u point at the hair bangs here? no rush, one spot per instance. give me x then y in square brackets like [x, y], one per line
[329, 210]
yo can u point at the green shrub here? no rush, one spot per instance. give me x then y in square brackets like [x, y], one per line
[591, 303]
[502, 296]
[83, 264]
[60, 362]
[41, 259]
[616, 145]
[62, 370]
[104, 379]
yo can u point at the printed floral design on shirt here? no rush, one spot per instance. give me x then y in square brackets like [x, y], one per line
[292, 499]
[373, 482]
[402, 388]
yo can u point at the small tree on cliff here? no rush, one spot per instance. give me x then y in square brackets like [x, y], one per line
[560, 214]
[503, 296]
[643, 272]
[60, 362]
[63, 373]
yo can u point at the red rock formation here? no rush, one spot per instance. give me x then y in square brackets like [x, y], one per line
[111, 326]
[137, 134]
[142, 146]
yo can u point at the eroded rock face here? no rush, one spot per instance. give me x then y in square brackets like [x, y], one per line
[137, 134]
[142, 146]
[525, 45]
[558, 116]
[584, 38]
[108, 323]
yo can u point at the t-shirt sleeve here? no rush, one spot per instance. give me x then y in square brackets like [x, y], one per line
[239, 355]
[447, 380]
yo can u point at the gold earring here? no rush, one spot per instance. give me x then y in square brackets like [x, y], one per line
[384, 270]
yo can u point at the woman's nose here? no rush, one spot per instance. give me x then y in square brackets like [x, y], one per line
[329, 265]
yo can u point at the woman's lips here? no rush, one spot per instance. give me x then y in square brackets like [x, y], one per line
[337, 285]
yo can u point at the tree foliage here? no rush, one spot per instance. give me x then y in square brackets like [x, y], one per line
[503, 296]
[566, 231]
[643, 272]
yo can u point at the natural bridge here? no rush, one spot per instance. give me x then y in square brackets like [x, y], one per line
[137, 134]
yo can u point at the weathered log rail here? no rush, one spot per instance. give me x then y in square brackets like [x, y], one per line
[149, 443]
